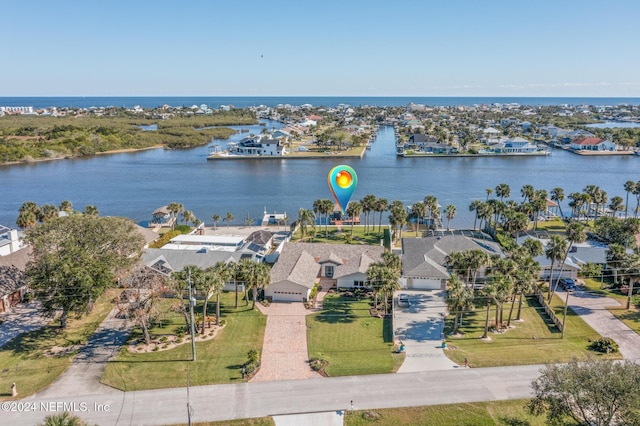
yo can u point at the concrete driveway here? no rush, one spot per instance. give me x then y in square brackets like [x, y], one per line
[23, 318]
[420, 328]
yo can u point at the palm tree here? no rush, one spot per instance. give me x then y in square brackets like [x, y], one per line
[575, 234]
[629, 186]
[418, 209]
[306, 219]
[616, 205]
[527, 192]
[91, 210]
[317, 207]
[257, 275]
[459, 300]
[489, 291]
[433, 213]
[326, 209]
[66, 207]
[26, 219]
[215, 277]
[557, 195]
[636, 192]
[475, 207]
[489, 192]
[384, 279]
[555, 250]
[398, 217]
[228, 218]
[188, 216]
[368, 203]
[175, 208]
[47, 212]
[381, 206]
[450, 213]
[354, 209]
[503, 191]
[216, 219]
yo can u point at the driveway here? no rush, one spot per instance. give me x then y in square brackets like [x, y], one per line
[420, 328]
[593, 310]
[284, 353]
[24, 317]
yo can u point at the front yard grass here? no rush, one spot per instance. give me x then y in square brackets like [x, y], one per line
[535, 340]
[350, 339]
[217, 361]
[23, 359]
[489, 413]
[343, 235]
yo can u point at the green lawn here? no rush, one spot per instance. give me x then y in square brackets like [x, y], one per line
[340, 237]
[218, 361]
[552, 226]
[533, 341]
[353, 341]
[470, 414]
[22, 360]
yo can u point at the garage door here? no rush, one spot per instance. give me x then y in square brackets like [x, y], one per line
[287, 296]
[425, 283]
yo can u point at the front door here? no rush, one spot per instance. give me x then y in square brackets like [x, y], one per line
[328, 271]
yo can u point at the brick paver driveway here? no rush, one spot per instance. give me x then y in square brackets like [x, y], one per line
[284, 352]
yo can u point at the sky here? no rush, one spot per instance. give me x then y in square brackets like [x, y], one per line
[557, 48]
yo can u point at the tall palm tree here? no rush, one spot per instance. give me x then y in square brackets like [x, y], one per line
[636, 192]
[381, 206]
[215, 277]
[175, 209]
[216, 219]
[575, 234]
[489, 192]
[354, 209]
[475, 207]
[368, 205]
[555, 251]
[306, 220]
[188, 216]
[527, 192]
[503, 191]
[557, 195]
[419, 210]
[616, 205]
[258, 276]
[398, 217]
[490, 292]
[26, 219]
[629, 186]
[450, 213]
[66, 207]
[431, 203]
[91, 210]
[228, 218]
[459, 300]
[47, 212]
[326, 209]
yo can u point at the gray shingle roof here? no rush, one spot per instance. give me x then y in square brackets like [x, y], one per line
[11, 279]
[178, 259]
[301, 269]
[425, 257]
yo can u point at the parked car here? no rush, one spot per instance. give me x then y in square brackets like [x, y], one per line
[403, 300]
[567, 284]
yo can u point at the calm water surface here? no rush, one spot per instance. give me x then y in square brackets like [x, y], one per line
[133, 185]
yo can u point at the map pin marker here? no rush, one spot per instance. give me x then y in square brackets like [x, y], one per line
[342, 182]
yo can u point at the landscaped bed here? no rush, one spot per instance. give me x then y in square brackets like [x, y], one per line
[351, 340]
[218, 360]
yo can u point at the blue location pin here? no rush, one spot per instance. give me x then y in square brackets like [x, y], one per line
[342, 182]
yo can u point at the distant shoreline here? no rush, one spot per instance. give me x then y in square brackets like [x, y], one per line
[73, 157]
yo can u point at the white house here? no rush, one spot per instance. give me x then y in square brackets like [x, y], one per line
[10, 241]
[515, 145]
[593, 144]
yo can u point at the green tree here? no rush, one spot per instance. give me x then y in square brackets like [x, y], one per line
[368, 203]
[175, 208]
[450, 212]
[557, 195]
[575, 234]
[555, 251]
[354, 210]
[419, 210]
[63, 419]
[629, 187]
[66, 207]
[381, 206]
[228, 218]
[91, 210]
[216, 219]
[616, 205]
[76, 258]
[475, 207]
[215, 277]
[598, 393]
[306, 220]
[459, 300]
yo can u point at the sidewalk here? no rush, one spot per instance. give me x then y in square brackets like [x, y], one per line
[593, 310]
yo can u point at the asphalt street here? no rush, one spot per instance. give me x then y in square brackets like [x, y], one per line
[237, 401]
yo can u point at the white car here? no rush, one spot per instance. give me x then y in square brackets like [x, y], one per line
[403, 300]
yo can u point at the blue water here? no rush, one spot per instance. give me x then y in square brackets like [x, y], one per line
[135, 184]
[242, 102]
[613, 125]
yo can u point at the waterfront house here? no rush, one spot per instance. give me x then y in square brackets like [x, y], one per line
[257, 146]
[516, 145]
[162, 216]
[301, 265]
[593, 144]
[10, 241]
[424, 259]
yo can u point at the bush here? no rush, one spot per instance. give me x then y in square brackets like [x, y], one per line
[181, 331]
[604, 345]
[28, 297]
[317, 364]
[184, 229]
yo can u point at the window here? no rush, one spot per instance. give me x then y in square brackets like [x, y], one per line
[358, 283]
[328, 271]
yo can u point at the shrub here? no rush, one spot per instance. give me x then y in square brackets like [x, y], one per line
[163, 338]
[604, 345]
[181, 331]
[317, 364]
[184, 229]
[28, 297]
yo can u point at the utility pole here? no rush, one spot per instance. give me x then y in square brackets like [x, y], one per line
[192, 301]
[564, 318]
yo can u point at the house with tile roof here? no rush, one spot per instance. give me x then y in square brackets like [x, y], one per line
[301, 265]
[593, 144]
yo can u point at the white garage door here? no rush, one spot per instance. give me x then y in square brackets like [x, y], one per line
[425, 283]
[287, 296]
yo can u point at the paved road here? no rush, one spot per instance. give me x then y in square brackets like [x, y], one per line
[225, 402]
[593, 310]
[420, 328]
